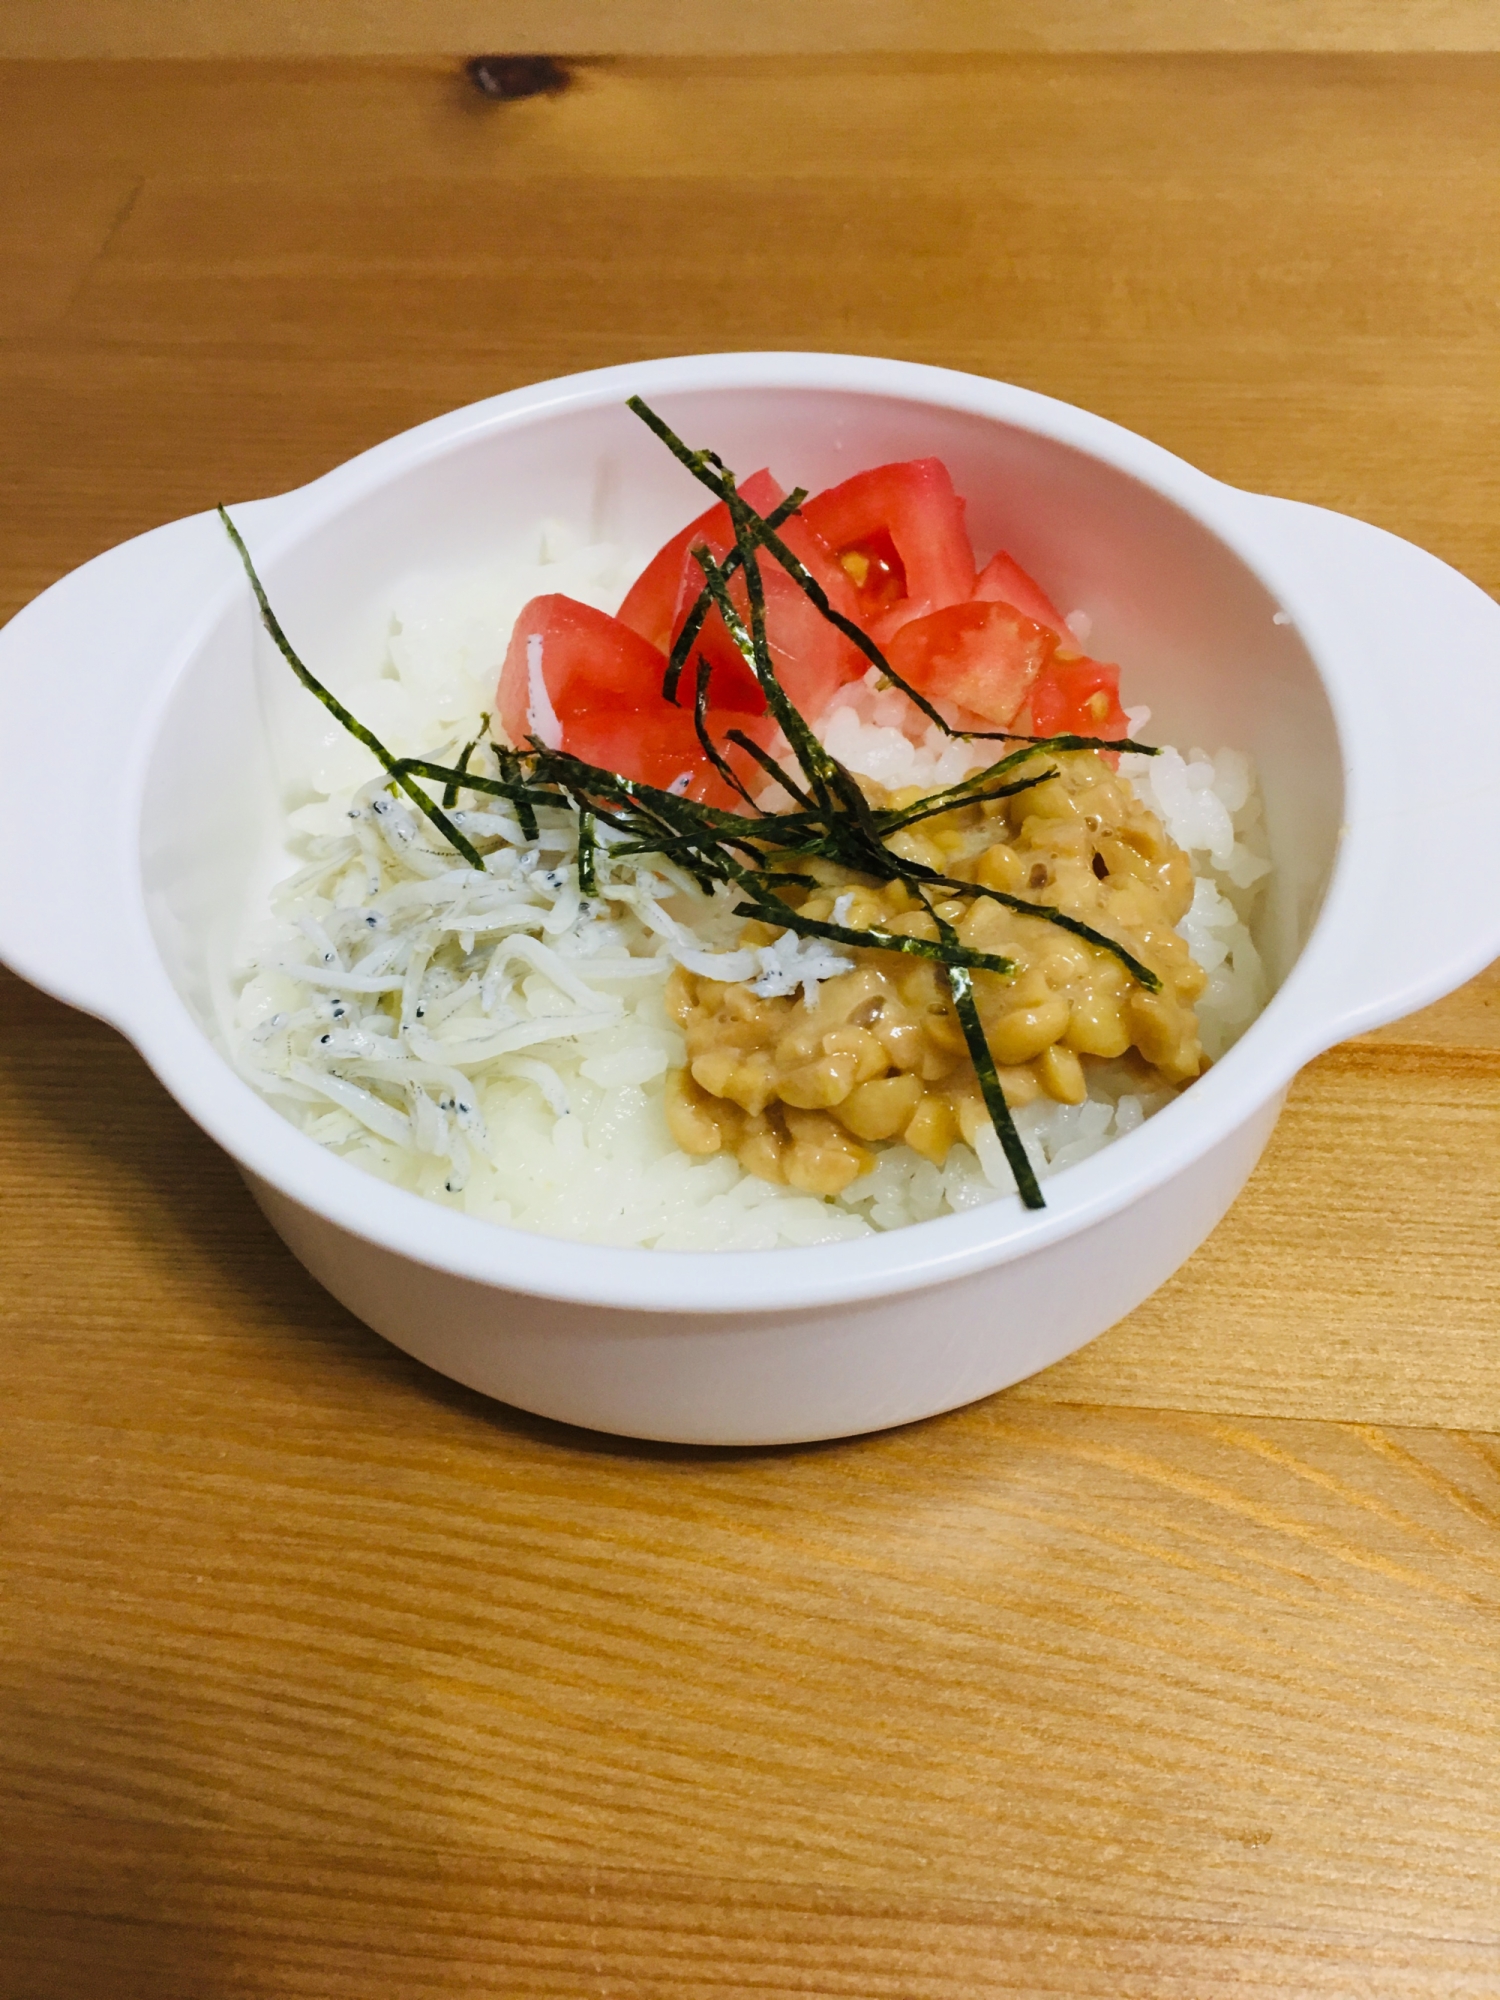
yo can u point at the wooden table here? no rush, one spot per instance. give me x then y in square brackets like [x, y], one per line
[1173, 1671]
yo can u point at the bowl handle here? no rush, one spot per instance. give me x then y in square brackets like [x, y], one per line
[78, 666]
[1414, 909]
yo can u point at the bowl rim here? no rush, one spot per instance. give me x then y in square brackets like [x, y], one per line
[1291, 1028]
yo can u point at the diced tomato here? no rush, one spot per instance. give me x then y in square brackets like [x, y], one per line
[588, 660]
[812, 657]
[980, 657]
[603, 683]
[898, 533]
[650, 606]
[660, 747]
[1078, 697]
[1003, 581]
[890, 550]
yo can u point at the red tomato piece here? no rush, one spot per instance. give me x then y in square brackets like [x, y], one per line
[1078, 697]
[603, 684]
[588, 660]
[1003, 581]
[654, 745]
[898, 533]
[650, 606]
[659, 746]
[812, 658]
[981, 657]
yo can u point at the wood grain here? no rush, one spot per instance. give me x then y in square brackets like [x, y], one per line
[269, 28]
[1170, 1672]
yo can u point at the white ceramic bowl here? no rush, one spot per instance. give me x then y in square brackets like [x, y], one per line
[1353, 666]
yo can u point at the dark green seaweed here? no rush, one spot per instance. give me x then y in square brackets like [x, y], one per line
[711, 749]
[687, 638]
[341, 714]
[961, 986]
[943, 952]
[450, 790]
[588, 883]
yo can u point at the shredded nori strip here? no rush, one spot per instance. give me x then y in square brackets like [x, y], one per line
[1142, 974]
[510, 769]
[810, 754]
[687, 638]
[341, 714]
[771, 768]
[588, 842]
[450, 790]
[943, 952]
[914, 815]
[711, 750]
[961, 986]
[831, 820]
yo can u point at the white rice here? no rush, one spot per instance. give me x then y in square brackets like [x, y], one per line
[497, 1043]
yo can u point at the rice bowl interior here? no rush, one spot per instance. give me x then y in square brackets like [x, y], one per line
[1198, 635]
[526, 1082]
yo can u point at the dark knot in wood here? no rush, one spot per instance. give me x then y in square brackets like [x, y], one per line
[510, 78]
